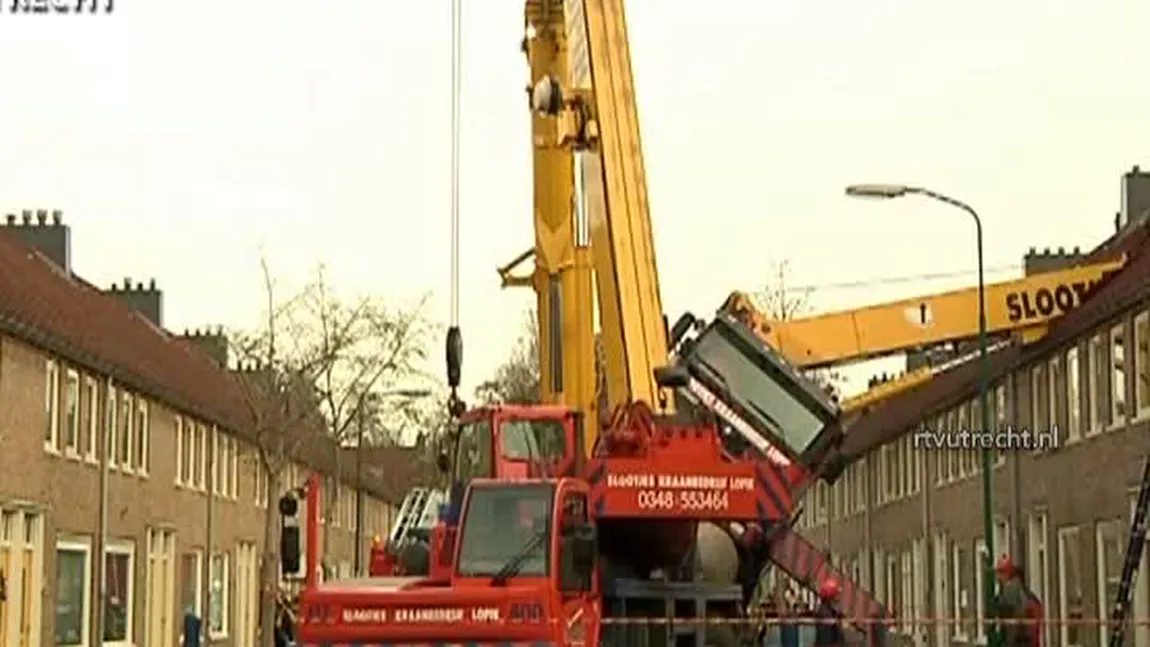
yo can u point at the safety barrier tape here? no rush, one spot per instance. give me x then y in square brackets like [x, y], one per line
[894, 626]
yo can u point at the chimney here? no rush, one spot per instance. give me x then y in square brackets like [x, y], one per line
[57, 217]
[1135, 197]
[148, 301]
[52, 240]
[212, 343]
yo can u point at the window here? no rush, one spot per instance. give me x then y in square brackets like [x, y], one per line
[500, 522]
[91, 432]
[51, 406]
[1108, 556]
[110, 427]
[1038, 398]
[259, 480]
[218, 615]
[119, 574]
[960, 600]
[72, 414]
[1037, 563]
[124, 455]
[1142, 364]
[1073, 397]
[73, 593]
[1054, 381]
[188, 449]
[192, 584]
[1072, 609]
[945, 600]
[1117, 376]
[1096, 363]
[201, 466]
[142, 447]
[980, 557]
[181, 453]
[965, 454]
[232, 477]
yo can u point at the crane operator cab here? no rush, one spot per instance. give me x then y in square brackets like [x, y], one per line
[534, 539]
[512, 441]
[763, 402]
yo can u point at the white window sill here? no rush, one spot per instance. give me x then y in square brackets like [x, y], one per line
[91, 460]
[51, 449]
[217, 636]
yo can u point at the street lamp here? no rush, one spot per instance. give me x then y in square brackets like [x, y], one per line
[372, 399]
[886, 192]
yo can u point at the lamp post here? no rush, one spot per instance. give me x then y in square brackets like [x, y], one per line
[370, 400]
[889, 191]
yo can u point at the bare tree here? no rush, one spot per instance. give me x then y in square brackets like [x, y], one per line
[305, 375]
[516, 381]
[780, 300]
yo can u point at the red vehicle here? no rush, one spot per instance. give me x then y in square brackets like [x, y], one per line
[565, 549]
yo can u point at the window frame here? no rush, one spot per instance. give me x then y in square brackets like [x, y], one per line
[1061, 542]
[52, 406]
[1038, 547]
[201, 469]
[197, 555]
[71, 414]
[143, 434]
[1141, 365]
[1105, 603]
[980, 553]
[1073, 392]
[90, 449]
[958, 631]
[1000, 419]
[125, 548]
[224, 599]
[1054, 377]
[111, 422]
[1119, 407]
[127, 438]
[80, 545]
[178, 429]
[1094, 347]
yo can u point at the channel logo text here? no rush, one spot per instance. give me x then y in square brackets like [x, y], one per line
[56, 6]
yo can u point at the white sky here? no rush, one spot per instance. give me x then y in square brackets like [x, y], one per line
[180, 138]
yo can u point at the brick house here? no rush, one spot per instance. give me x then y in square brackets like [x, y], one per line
[185, 507]
[908, 521]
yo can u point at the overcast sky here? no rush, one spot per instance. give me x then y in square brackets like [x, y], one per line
[181, 138]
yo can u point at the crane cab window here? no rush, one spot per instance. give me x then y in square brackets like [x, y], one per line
[473, 455]
[770, 394]
[503, 522]
[533, 439]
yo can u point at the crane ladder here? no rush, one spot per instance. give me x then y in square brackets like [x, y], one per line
[1133, 559]
[410, 513]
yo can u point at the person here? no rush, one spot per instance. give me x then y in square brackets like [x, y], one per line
[1018, 607]
[829, 629]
